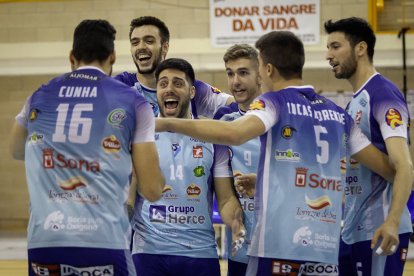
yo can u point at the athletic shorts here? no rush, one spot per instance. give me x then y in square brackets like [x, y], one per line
[62, 261]
[172, 265]
[236, 268]
[270, 267]
[358, 259]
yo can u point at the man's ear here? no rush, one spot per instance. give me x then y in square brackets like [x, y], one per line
[112, 58]
[270, 70]
[361, 48]
[72, 61]
[164, 48]
[192, 92]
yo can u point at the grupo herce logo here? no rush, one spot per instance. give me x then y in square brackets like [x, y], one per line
[116, 116]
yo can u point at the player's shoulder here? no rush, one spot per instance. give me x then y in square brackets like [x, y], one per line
[227, 109]
[201, 86]
[126, 77]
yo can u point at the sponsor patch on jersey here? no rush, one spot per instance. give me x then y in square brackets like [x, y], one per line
[300, 179]
[318, 203]
[393, 118]
[157, 213]
[363, 102]
[358, 117]
[72, 183]
[215, 90]
[193, 190]
[287, 132]
[257, 105]
[35, 138]
[116, 116]
[48, 161]
[176, 148]
[33, 114]
[199, 171]
[198, 151]
[287, 155]
[111, 144]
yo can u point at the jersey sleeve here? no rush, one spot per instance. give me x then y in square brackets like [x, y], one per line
[208, 99]
[145, 124]
[265, 110]
[23, 117]
[222, 166]
[357, 140]
[391, 114]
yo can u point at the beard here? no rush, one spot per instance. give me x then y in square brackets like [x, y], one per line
[152, 68]
[348, 68]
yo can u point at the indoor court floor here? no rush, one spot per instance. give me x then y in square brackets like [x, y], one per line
[13, 257]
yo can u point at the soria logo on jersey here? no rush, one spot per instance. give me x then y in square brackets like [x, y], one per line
[393, 118]
[66, 270]
[316, 181]
[116, 116]
[61, 161]
[305, 237]
[57, 221]
[174, 215]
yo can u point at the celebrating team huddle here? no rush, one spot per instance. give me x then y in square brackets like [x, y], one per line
[115, 191]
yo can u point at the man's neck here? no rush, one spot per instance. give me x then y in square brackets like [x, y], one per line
[282, 84]
[362, 74]
[147, 80]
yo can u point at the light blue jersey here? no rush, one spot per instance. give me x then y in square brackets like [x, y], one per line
[244, 160]
[379, 109]
[300, 185]
[207, 99]
[78, 164]
[180, 223]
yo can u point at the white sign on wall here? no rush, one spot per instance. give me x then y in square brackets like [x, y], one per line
[244, 21]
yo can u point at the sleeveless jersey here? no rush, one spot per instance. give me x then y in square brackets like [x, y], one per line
[206, 101]
[78, 165]
[300, 185]
[180, 223]
[379, 109]
[244, 160]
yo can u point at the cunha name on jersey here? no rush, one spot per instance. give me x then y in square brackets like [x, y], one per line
[78, 92]
[321, 115]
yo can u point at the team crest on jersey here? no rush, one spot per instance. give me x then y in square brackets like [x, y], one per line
[287, 132]
[198, 151]
[116, 116]
[215, 90]
[33, 114]
[48, 161]
[358, 117]
[176, 148]
[257, 105]
[300, 179]
[393, 118]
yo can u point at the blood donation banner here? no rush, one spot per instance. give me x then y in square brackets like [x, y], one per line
[244, 21]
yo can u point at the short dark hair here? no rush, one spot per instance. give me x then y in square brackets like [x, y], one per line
[93, 40]
[240, 51]
[356, 30]
[154, 21]
[178, 64]
[284, 51]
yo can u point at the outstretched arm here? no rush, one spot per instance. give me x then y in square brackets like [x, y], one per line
[235, 132]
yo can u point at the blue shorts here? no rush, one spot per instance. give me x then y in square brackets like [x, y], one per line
[358, 259]
[273, 267]
[172, 265]
[56, 261]
[236, 268]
